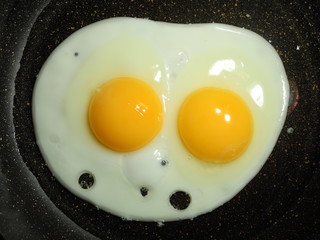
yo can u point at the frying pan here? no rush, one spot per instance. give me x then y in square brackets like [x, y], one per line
[282, 201]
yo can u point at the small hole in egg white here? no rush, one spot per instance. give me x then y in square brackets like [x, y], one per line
[86, 180]
[164, 162]
[76, 54]
[144, 191]
[180, 200]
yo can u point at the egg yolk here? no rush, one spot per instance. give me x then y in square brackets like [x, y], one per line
[125, 114]
[215, 125]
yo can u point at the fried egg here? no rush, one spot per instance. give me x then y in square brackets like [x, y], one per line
[155, 121]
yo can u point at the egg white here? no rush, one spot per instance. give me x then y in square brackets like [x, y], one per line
[174, 59]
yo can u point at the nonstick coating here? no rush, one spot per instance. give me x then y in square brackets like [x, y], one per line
[281, 202]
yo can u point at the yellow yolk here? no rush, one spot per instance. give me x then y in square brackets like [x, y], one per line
[215, 125]
[125, 114]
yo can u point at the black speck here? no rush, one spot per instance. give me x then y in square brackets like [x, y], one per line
[144, 191]
[164, 163]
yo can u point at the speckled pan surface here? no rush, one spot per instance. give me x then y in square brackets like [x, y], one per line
[282, 201]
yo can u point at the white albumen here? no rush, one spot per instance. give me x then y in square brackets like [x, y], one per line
[175, 59]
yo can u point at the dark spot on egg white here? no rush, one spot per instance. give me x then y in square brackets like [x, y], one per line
[144, 191]
[164, 163]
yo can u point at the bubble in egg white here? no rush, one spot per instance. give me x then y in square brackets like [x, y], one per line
[175, 60]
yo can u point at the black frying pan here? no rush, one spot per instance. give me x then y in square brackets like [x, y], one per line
[281, 202]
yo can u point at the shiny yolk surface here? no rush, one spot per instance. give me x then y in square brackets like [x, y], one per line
[215, 124]
[125, 114]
